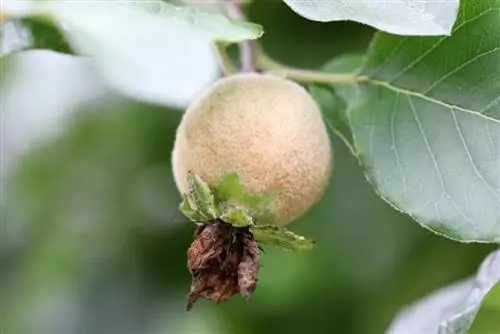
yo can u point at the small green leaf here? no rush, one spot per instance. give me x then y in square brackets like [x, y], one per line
[202, 196]
[281, 237]
[346, 64]
[188, 211]
[229, 188]
[236, 216]
[401, 17]
[335, 99]
[220, 27]
[260, 206]
[333, 108]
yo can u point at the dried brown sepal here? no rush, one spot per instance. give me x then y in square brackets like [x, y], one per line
[248, 269]
[223, 261]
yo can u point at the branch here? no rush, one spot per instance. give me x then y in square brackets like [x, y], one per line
[225, 62]
[235, 11]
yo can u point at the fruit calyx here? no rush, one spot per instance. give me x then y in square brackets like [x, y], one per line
[224, 258]
[223, 261]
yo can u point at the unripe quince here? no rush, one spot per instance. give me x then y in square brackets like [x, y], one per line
[267, 129]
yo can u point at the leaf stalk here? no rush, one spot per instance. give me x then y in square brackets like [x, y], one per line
[253, 58]
[225, 61]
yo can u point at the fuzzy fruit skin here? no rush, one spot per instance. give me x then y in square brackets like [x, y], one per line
[267, 129]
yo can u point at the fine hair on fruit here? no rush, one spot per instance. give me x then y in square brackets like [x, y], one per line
[267, 129]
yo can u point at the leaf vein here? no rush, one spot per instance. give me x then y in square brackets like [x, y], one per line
[488, 106]
[390, 56]
[458, 68]
[398, 160]
[434, 160]
[372, 131]
[435, 46]
[426, 141]
[427, 98]
[469, 156]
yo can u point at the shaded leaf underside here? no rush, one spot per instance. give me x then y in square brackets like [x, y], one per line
[402, 17]
[452, 309]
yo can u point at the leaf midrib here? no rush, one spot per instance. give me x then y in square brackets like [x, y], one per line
[424, 97]
[388, 85]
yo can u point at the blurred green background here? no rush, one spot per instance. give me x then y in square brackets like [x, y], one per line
[92, 243]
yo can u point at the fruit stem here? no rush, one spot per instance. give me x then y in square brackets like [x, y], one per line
[247, 52]
[225, 61]
[253, 58]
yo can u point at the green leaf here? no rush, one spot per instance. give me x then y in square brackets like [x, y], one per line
[281, 237]
[452, 309]
[231, 190]
[487, 320]
[149, 50]
[217, 27]
[346, 64]
[427, 124]
[189, 211]
[236, 216]
[402, 17]
[334, 109]
[333, 99]
[202, 197]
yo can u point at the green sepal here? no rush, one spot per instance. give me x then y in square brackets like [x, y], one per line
[202, 197]
[280, 237]
[231, 203]
[187, 210]
[260, 207]
[236, 216]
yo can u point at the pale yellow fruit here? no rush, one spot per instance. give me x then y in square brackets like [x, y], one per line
[267, 129]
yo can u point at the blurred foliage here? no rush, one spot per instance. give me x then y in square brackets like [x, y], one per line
[453, 308]
[92, 241]
[486, 321]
